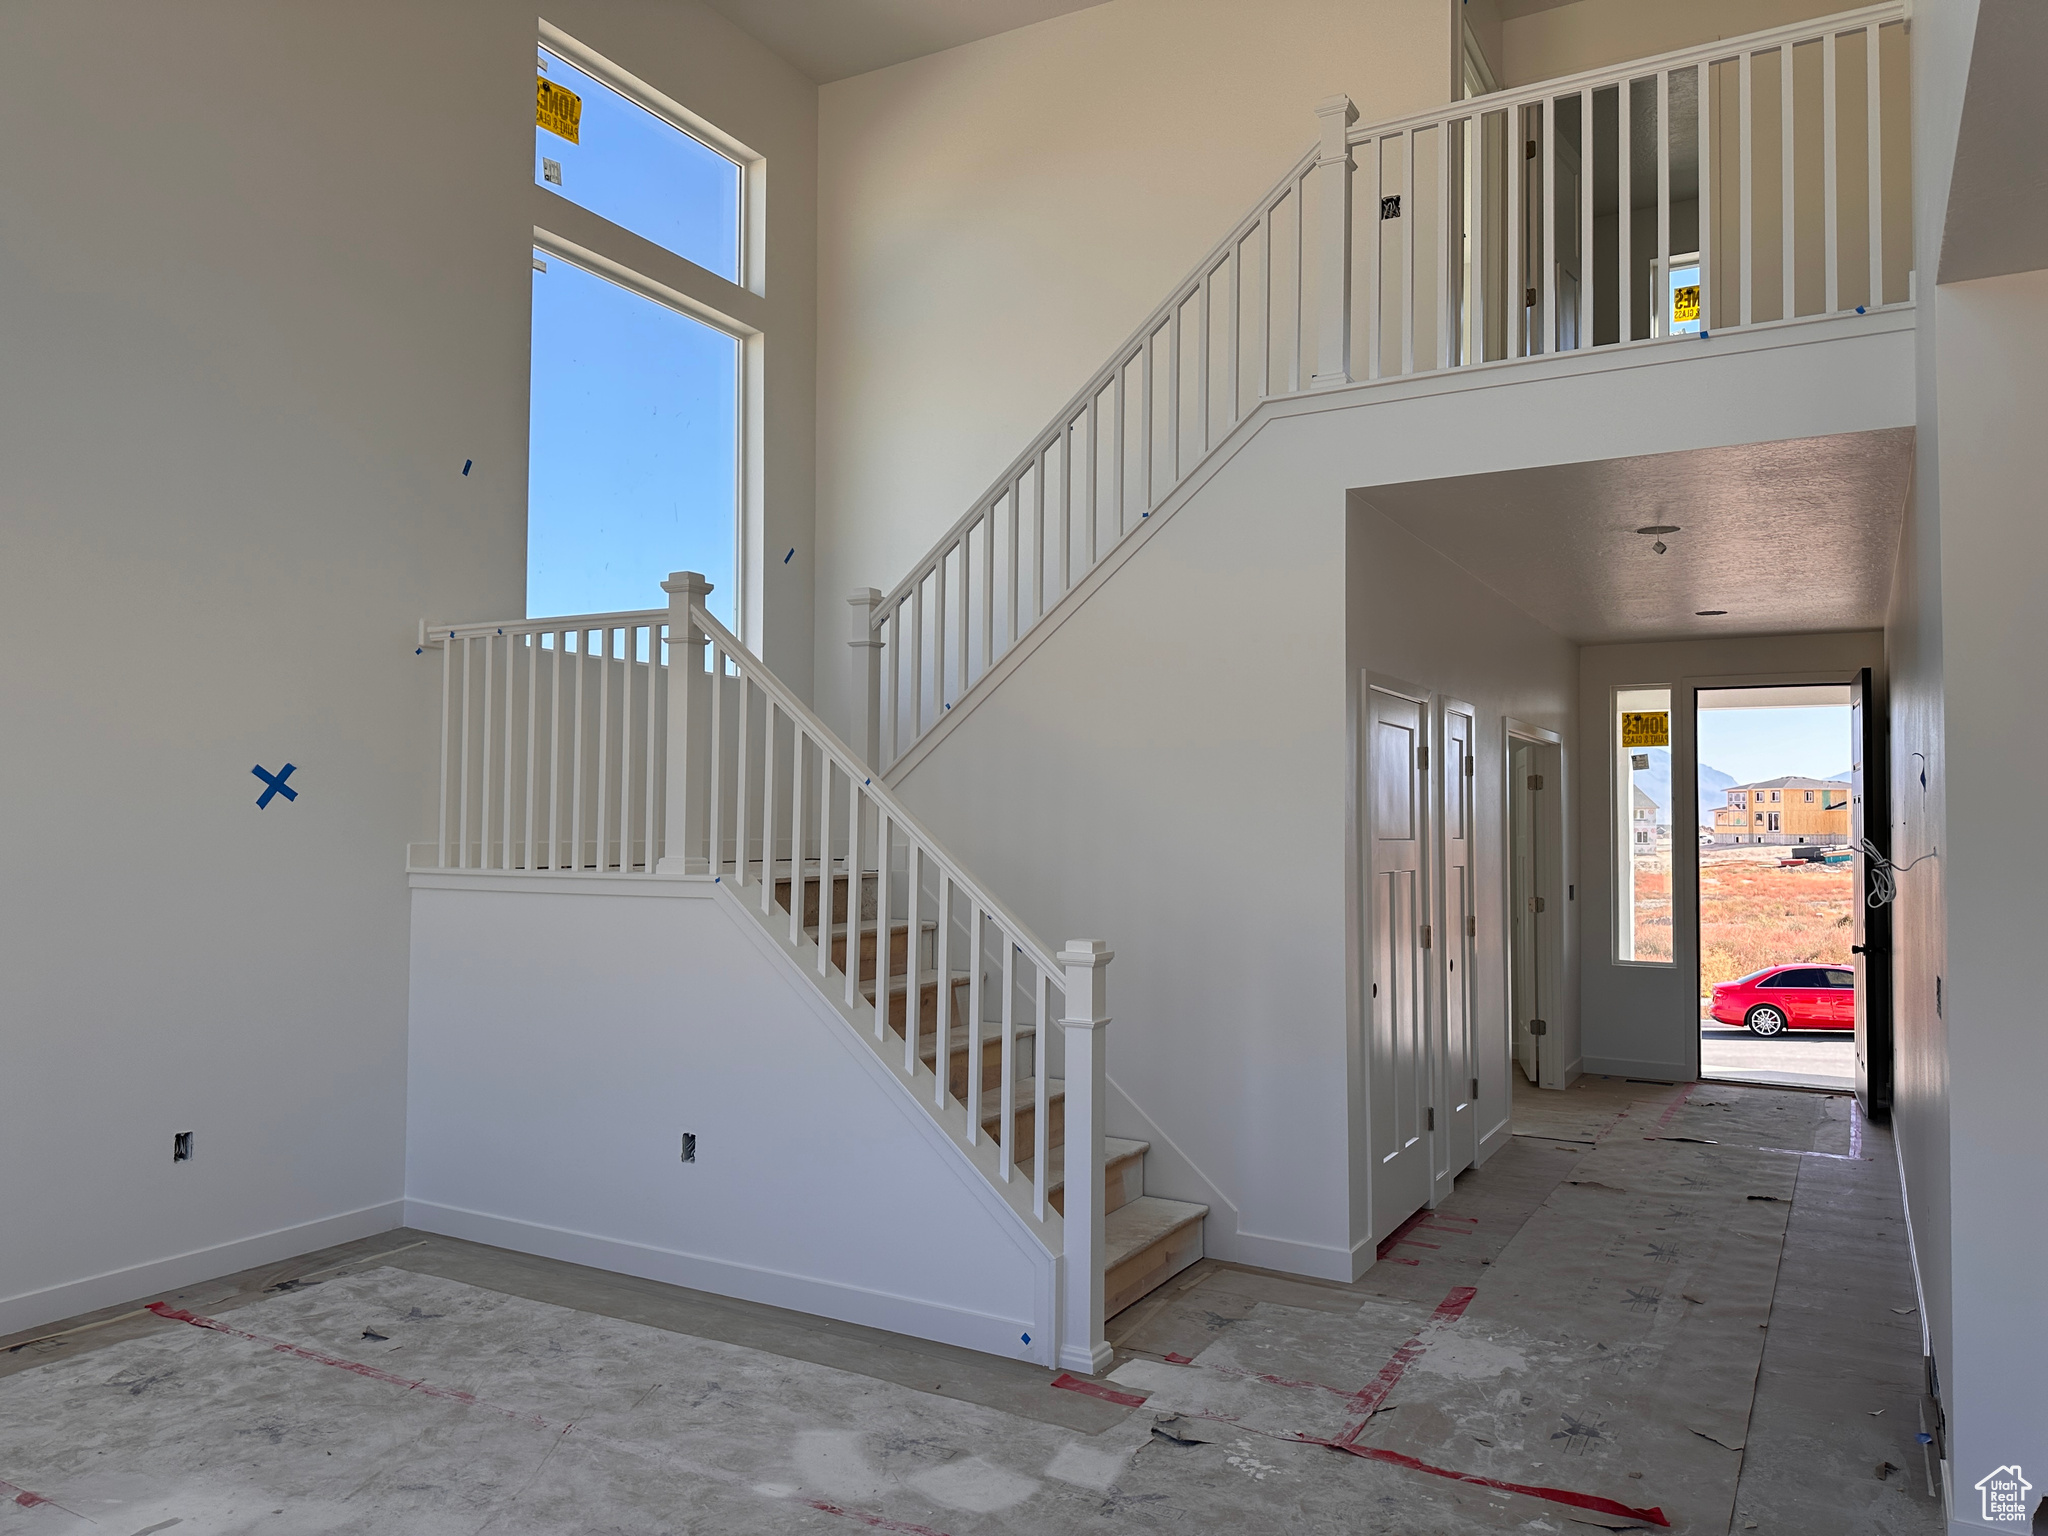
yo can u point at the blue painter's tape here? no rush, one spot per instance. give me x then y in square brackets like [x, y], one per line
[419, 650]
[790, 556]
[465, 465]
[275, 784]
[1027, 1338]
[1859, 309]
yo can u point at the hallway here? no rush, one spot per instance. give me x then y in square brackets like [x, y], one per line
[1645, 1302]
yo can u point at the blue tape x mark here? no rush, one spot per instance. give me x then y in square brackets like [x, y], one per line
[276, 783]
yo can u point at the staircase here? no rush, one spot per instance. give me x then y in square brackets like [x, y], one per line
[1148, 1240]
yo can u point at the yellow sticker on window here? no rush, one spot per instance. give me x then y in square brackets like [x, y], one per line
[1646, 728]
[1685, 304]
[557, 110]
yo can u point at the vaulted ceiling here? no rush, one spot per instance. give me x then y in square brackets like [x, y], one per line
[832, 39]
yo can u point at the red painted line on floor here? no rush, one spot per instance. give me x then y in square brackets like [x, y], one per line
[22, 1496]
[1389, 1259]
[1400, 1233]
[1410, 1242]
[1180, 1359]
[875, 1521]
[1675, 1105]
[1553, 1495]
[1096, 1389]
[1367, 1402]
[355, 1367]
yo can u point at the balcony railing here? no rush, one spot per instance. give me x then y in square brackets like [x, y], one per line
[1750, 181]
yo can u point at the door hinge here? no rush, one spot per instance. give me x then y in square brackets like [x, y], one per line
[1535, 903]
[1528, 298]
[1468, 767]
[1471, 927]
[1535, 781]
[1538, 1027]
[1528, 149]
[1422, 759]
[1425, 935]
[1475, 1090]
[1432, 1118]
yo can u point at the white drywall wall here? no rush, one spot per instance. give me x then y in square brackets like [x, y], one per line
[994, 219]
[564, 1040]
[1546, 41]
[264, 288]
[1165, 765]
[1643, 1020]
[1417, 616]
[1979, 1065]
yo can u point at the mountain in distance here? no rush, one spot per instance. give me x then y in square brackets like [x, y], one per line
[1655, 781]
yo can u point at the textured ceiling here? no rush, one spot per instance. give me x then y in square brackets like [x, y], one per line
[832, 39]
[1789, 537]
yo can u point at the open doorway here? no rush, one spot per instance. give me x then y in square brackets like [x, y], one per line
[1777, 885]
[1535, 925]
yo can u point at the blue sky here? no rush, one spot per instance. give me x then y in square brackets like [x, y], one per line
[631, 460]
[1753, 744]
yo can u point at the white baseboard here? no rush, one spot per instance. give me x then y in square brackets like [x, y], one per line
[1493, 1141]
[33, 1309]
[1320, 1261]
[722, 1277]
[1659, 1071]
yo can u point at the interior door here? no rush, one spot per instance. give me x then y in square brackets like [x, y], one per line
[1459, 1088]
[1396, 909]
[1523, 960]
[1870, 827]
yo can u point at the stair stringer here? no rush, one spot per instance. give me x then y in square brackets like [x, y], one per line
[977, 1163]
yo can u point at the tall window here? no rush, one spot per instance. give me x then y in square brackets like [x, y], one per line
[635, 454]
[1643, 825]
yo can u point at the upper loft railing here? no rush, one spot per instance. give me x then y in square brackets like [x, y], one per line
[1748, 181]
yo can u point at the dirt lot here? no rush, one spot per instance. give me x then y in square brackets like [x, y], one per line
[1752, 913]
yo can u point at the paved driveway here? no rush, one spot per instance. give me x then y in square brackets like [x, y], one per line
[1802, 1058]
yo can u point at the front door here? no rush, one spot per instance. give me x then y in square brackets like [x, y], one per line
[1870, 828]
[1396, 909]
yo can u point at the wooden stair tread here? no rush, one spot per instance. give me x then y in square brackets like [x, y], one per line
[1115, 1151]
[1131, 1229]
[991, 1034]
[870, 925]
[901, 983]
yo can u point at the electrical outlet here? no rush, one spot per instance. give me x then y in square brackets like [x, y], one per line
[689, 1146]
[181, 1147]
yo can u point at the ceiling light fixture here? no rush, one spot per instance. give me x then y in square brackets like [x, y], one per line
[1709, 613]
[1656, 528]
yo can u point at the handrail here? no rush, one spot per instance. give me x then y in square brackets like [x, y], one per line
[849, 763]
[1063, 419]
[1497, 256]
[432, 633]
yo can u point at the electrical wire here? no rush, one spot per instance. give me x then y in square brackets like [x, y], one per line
[1884, 884]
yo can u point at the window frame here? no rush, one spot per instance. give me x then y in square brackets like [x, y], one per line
[693, 291]
[1621, 854]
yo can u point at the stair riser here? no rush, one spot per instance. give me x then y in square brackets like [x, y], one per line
[1027, 1120]
[928, 1008]
[1122, 1182]
[1147, 1270]
[811, 884]
[899, 952]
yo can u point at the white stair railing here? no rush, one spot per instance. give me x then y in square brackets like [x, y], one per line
[553, 736]
[769, 802]
[1560, 217]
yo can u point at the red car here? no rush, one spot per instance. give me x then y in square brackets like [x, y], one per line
[1782, 997]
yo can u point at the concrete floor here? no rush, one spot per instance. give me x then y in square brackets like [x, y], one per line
[417, 1384]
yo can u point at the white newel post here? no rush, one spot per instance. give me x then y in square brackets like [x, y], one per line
[1083, 1346]
[684, 851]
[866, 735]
[1334, 116]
